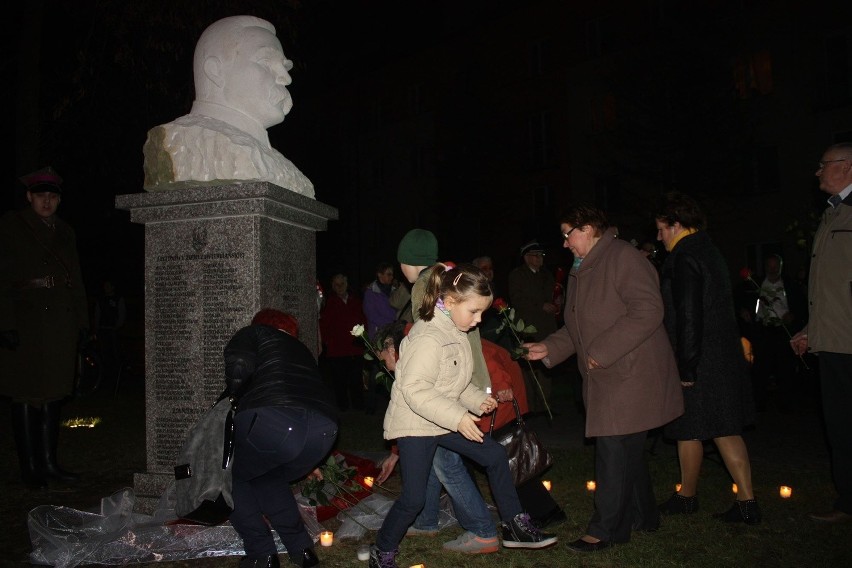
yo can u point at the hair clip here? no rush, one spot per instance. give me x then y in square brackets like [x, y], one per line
[457, 278]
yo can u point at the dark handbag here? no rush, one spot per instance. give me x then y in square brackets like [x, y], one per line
[528, 458]
[203, 474]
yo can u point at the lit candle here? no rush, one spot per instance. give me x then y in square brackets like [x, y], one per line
[547, 484]
[368, 481]
[590, 485]
[326, 538]
[734, 488]
[786, 492]
[419, 566]
[677, 487]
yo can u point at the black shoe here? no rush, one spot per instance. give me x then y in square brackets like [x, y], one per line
[555, 517]
[522, 533]
[680, 505]
[306, 559]
[269, 561]
[581, 545]
[747, 512]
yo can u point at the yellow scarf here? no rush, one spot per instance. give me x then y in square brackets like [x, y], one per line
[680, 235]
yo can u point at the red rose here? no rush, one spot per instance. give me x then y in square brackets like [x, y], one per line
[500, 304]
[745, 273]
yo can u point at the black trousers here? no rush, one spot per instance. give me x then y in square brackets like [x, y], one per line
[773, 357]
[836, 381]
[624, 497]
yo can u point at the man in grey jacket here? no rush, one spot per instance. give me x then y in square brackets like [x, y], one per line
[829, 329]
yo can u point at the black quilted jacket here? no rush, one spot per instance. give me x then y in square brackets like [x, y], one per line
[267, 367]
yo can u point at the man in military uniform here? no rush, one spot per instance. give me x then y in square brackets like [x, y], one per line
[43, 316]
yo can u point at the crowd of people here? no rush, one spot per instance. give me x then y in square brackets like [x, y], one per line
[659, 346]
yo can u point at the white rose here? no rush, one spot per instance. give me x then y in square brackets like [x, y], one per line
[358, 330]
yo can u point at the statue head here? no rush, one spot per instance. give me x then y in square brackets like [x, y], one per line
[239, 64]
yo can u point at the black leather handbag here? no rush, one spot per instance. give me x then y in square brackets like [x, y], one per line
[528, 458]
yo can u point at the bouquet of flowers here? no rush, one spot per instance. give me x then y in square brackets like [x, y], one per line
[767, 298]
[518, 329]
[384, 377]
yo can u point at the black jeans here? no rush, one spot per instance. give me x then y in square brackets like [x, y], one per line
[273, 447]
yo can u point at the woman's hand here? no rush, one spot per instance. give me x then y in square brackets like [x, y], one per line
[535, 351]
[387, 466]
[506, 395]
[469, 429]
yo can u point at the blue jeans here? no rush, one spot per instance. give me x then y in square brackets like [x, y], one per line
[416, 454]
[470, 509]
[274, 446]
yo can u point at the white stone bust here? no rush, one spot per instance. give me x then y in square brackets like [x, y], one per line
[241, 77]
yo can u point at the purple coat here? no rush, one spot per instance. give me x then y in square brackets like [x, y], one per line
[614, 314]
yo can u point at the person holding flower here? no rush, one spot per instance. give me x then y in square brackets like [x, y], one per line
[701, 323]
[614, 324]
[434, 403]
[778, 309]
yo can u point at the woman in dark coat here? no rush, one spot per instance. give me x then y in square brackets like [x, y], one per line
[285, 425]
[701, 324]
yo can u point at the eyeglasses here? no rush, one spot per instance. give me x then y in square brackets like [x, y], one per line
[568, 234]
[821, 165]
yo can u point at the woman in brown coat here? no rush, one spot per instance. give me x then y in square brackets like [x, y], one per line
[614, 324]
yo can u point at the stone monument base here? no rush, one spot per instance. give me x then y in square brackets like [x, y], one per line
[214, 256]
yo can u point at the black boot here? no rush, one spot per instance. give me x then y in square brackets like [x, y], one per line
[25, 427]
[270, 561]
[679, 505]
[747, 512]
[49, 440]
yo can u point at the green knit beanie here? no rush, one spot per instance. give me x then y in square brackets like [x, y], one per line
[418, 247]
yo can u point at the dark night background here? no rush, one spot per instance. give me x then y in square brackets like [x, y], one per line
[478, 120]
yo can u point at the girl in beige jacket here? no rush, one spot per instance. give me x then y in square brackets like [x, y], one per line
[434, 403]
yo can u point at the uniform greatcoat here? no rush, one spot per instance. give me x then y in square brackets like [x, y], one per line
[48, 319]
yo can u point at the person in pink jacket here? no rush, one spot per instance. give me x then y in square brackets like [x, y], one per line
[614, 324]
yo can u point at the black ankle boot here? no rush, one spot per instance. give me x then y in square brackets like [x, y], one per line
[680, 505]
[49, 441]
[25, 429]
[269, 561]
[747, 512]
[306, 559]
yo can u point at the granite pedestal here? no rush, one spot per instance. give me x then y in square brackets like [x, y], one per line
[213, 257]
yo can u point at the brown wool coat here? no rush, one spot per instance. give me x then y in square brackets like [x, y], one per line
[614, 313]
